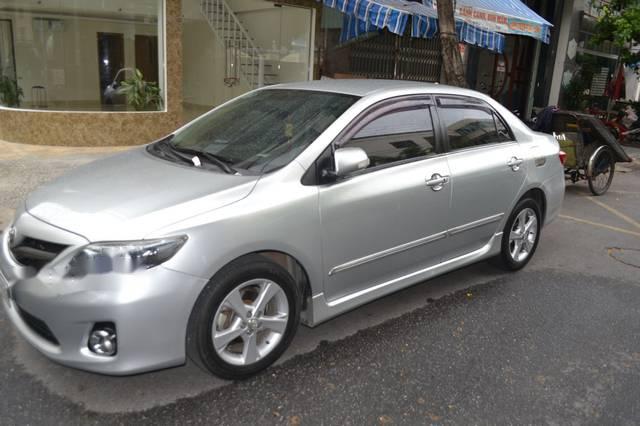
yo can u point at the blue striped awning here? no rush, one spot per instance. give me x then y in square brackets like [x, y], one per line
[378, 14]
[365, 16]
[467, 33]
[354, 28]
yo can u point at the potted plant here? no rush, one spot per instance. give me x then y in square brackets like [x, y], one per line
[10, 92]
[141, 95]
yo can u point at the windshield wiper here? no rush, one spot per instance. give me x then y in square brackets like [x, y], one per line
[191, 156]
[164, 147]
[211, 158]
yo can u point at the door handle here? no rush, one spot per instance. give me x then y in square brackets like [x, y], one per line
[515, 163]
[436, 182]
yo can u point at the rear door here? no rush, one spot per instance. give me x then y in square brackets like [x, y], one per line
[487, 171]
[389, 219]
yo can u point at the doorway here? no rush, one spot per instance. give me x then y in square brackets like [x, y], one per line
[110, 61]
[147, 56]
[8, 59]
[7, 55]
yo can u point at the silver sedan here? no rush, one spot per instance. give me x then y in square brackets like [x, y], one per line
[291, 204]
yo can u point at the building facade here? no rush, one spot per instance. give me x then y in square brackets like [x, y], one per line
[583, 69]
[63, 62]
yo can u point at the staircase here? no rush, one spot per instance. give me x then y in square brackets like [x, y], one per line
[244, 59]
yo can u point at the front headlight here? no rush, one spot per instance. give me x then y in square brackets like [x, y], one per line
[122, 257]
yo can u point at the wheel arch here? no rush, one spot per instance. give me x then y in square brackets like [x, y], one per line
[291, 264]
[537, 195]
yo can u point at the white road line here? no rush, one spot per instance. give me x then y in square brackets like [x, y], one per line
[601, 225]
[617, 213]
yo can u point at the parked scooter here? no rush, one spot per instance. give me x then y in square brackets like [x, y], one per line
[625, 126]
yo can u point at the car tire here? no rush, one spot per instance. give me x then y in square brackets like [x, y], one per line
[519, 243]
[252, 346]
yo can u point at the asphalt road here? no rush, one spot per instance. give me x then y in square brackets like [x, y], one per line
[556, 343]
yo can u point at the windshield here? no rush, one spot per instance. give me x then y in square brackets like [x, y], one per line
[264, 130]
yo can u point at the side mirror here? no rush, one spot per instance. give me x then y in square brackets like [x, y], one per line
[349, 160]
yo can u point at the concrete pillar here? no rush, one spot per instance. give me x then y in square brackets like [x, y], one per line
[570, 6]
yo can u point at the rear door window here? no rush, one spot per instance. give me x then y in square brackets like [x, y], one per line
[471, 124]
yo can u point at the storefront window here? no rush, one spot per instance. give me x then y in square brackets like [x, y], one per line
[82, 55]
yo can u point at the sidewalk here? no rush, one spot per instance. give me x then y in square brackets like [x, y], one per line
[24, 167]
[15, 151]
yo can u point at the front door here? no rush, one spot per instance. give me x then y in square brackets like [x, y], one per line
[487, 172]
[389, 219]
[147, 56]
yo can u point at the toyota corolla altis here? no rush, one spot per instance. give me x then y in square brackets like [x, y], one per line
[293, 203]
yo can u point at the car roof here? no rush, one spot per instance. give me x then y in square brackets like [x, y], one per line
[366, 87]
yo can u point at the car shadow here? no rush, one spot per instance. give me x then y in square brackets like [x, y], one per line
[110, 394]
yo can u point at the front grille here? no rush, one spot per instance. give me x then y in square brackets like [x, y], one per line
[38, 326]
[36, 253]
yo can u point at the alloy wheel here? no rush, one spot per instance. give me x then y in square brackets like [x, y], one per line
[250, 322]
[522, 237]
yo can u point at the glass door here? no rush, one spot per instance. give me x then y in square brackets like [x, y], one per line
[284, 36]
[295, 62]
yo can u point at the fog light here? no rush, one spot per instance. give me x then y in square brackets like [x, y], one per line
[102, 340]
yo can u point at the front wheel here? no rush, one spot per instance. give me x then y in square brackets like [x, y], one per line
[520, 235]
[604, 166]
[244, 319]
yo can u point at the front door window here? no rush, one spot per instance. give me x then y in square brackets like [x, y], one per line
[397, 136]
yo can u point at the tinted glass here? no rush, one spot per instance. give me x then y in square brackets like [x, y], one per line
[397, 136]
[470, 126]
[264, 130]
[443, 100]
[504, 134]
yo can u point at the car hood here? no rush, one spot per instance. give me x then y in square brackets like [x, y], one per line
[129, 195]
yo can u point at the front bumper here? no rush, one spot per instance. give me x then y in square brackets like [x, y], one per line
[149, 308]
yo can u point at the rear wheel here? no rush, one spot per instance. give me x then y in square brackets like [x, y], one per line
[244, 319]
[602, 174]
[520, 235]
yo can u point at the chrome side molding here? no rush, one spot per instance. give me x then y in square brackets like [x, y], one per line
[387, 252]
[413, 244]
[475, 224]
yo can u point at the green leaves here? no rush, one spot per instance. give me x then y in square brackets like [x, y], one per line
[141, 95]
[620, 23]
[10, 92]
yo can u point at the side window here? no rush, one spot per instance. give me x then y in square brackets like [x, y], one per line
[396, 136]
[504, 134]
[469, 126]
